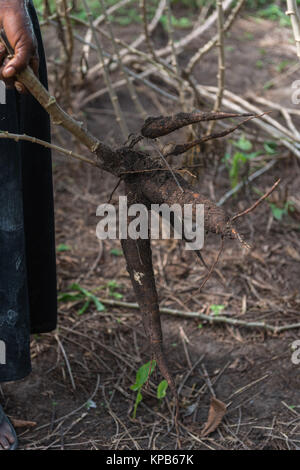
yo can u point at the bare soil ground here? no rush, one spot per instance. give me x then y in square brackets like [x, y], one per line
[248, 369]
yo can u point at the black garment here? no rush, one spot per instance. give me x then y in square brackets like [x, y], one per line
[27, 246]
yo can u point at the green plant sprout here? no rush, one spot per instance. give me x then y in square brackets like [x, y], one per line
[63, 247]
[216, 309]
[81, 294]
[243, 155]
[142, 377]
[279, 212]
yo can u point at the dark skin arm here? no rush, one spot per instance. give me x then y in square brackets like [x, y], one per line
[16, 22]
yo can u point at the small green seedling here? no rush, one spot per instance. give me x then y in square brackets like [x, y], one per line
[112, 286]
[279, 212]
[239, 159]
[116, 252]
[81, 294]
[162, 390]
[270, 147]
[142, 377]
[63, 247]
[216, 309]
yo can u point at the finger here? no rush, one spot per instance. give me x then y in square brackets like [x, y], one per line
[19, 62]
[20, 88]
[9, 82]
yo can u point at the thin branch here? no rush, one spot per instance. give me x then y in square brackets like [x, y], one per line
[182, 43]
[130, 85]
[34, 140]
[66, 360]
[139, 40]
[143, 6]
[259, 201]
[156, 147]
[238, 104]
[211, 269]
[210, 318]
[175, 62]
[113, 97]
[213, 41]
[221, 62]
[292, 12]
[251, 178]
[97, 22]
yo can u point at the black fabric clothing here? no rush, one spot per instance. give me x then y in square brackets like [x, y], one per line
[28, 298]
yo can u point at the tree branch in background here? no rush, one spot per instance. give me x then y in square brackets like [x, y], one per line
[292, 12]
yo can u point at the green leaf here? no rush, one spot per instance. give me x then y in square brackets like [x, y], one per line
[243, 144]
[277, 211]
[112, 284]
[117, 295]
[69, 297]
[99, 305]
[252, 155]
[86, 295]
[142, 375]
[162, 389]
[268, 85]
[183, 23]
[84, 308]
[282, 65]
[238, 158]
[270, 147]
[138, 400]
[116, 252]
[63, 247]
[216, 309]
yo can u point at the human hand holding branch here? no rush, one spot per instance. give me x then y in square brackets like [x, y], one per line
[16, 22]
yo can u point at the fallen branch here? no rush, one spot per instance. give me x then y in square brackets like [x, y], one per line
[209, 318]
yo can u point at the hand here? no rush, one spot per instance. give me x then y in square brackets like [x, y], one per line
[16, 22]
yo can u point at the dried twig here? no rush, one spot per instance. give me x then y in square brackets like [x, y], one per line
[209, 318]
[130, 85]
[113, 97]
[221, 62]
[34, 140]
[261, 199]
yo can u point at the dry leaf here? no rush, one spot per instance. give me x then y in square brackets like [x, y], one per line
[216, 413]
[292, 253]
[20, 423]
